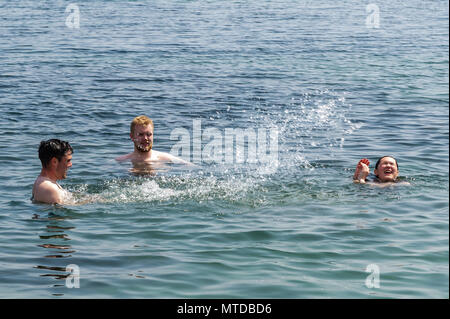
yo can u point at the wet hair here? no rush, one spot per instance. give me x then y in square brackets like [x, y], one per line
[379, 160]
[53, 148]
[140, 120]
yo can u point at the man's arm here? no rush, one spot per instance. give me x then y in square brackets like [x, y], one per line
[178, 160]
[123, 157]
[169, 157]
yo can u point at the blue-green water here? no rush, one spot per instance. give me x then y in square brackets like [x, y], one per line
[334, 89]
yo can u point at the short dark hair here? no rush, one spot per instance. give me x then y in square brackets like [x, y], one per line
[53, 148]
[379, 160]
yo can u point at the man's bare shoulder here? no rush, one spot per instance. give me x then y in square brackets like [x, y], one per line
[124, 157]
[156, 156]
[162, 156]
[46, 191]
[45, 183]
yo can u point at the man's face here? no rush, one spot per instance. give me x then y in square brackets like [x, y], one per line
[142, 138]
[387, 170]
[63, 165]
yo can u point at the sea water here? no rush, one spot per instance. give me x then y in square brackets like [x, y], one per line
[333, 82]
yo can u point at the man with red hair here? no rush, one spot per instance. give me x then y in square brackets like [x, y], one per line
[141, 133]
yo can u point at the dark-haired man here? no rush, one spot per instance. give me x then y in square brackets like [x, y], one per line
[56, 159]
[386, 171]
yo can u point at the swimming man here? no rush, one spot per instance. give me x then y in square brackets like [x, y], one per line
[141, 133]
[56, 159]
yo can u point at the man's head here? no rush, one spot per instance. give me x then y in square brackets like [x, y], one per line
[56, 156]
[386, 169]
[141, 133]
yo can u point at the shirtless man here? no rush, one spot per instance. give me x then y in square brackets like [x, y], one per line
[56, 159]
[141, 133]
[386, 171]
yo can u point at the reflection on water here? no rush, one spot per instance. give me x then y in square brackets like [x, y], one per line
[54, 242]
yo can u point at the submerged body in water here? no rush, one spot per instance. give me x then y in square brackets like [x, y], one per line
[373, 180]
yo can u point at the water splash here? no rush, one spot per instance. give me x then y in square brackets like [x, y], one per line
[197, 187]
[311, 121]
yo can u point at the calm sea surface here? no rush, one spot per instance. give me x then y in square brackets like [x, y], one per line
[320, 74]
